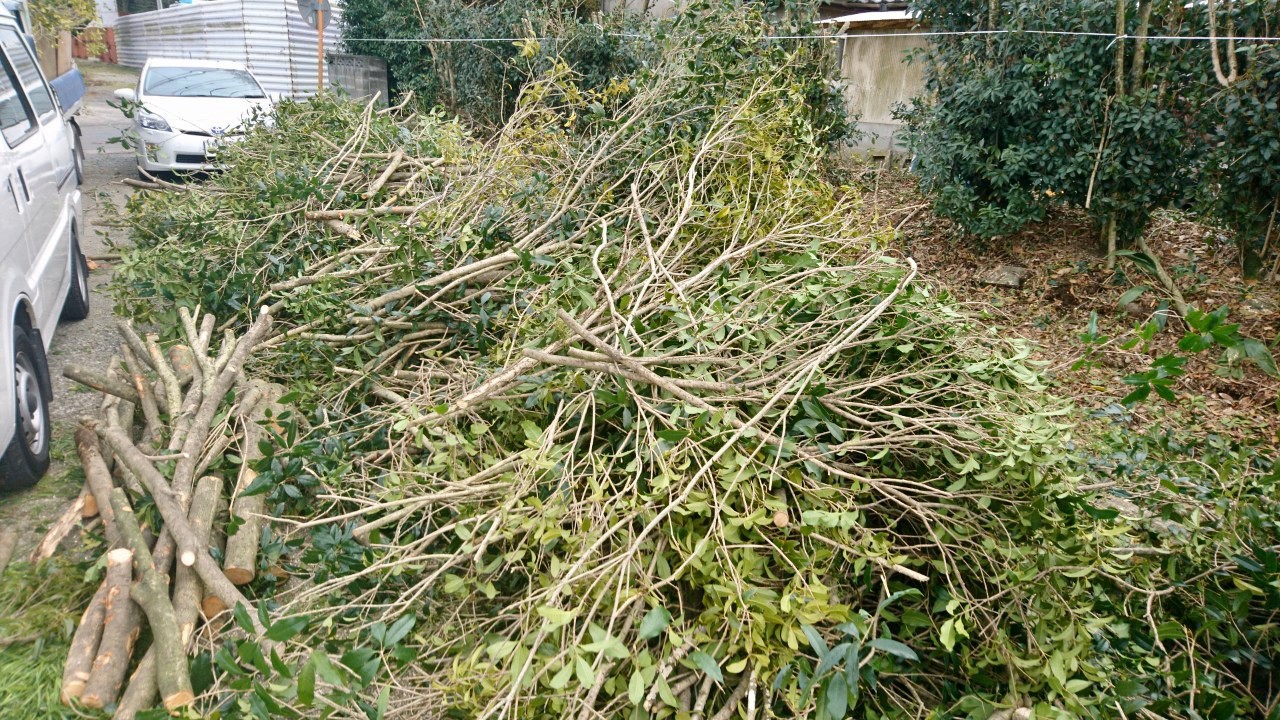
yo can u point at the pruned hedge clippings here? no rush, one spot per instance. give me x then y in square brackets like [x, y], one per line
[628, 412]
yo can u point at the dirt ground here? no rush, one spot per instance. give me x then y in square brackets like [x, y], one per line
[1067, 282]
[91, 341]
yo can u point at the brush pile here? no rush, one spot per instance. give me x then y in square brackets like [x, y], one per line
[168, 417]
[629, 412]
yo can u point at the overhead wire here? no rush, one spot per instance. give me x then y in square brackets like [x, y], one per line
[845, 36]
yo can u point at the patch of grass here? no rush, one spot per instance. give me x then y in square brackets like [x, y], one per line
[39, 608]
[30, 680]
[30, 677]
[44, 601]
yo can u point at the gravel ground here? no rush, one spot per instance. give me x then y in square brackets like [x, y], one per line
[90, 342]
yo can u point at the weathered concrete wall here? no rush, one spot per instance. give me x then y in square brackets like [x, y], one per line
[655, 8]
[876, 77]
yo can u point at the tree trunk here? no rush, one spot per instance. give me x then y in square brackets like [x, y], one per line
[188, 591]
[1109, 235]
[1140, 48]
[1121, 25]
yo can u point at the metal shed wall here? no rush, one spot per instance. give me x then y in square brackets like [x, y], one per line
[267, 35]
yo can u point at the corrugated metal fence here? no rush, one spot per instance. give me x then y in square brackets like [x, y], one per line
[267, 35]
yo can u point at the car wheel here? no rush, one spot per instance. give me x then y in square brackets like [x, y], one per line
[77, 305]
[27, 457]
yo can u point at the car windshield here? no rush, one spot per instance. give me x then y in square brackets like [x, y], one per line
[201, 82]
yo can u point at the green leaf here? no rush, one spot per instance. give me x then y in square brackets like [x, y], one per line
[707, 664]
[895, 648]
[664, 692]
[948, 634]
[1132, 294]
[635, 688]
[286, 628]
[837, 697]
[326, 670]
[556, 617]
[1194, 342]
[307, 683]
[561, 678]
[398, 630]
[242, 617]
[815, 640]
[909, 592]
[1136, 396]
[384, 700]
[1142, 260]
[830, 659]
[586, 676]
[1260, 355]
[654, 622]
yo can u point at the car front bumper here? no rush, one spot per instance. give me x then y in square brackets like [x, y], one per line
[169, 151]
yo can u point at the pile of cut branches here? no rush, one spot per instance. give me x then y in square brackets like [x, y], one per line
[628, 412]
[169, 420]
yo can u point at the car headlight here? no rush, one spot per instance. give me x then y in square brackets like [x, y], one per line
[151, 121]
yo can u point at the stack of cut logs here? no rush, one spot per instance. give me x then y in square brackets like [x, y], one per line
[167, 416]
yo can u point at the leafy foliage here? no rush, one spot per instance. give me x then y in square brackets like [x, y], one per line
[481, 80]
[51, 17]
[1021, 120]
[631, 411]
[1242, 174]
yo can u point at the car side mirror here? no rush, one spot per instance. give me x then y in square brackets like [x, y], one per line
[127, 94]
[275, 97]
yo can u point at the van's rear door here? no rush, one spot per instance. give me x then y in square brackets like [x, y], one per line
[21, 152]
[51, 178]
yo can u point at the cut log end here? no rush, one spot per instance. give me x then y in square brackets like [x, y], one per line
[119, 556]
[73, 689]
[179, 700]
[187, 558]
[239, 576]
[212, 607]
[90, 509]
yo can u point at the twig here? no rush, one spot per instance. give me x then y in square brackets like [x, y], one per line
[59, 530]
[101, 383]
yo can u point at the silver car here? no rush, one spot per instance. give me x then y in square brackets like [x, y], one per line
[43, 275]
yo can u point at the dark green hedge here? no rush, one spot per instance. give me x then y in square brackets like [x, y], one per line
[480, 80]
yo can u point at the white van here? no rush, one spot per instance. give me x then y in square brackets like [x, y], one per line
[43, 275]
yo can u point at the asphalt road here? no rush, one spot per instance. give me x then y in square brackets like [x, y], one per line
[92, 341]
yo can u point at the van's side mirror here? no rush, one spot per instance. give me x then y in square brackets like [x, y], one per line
[275, 97]
[127, 94]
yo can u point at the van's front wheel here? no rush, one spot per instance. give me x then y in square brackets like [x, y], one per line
[27, 457]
